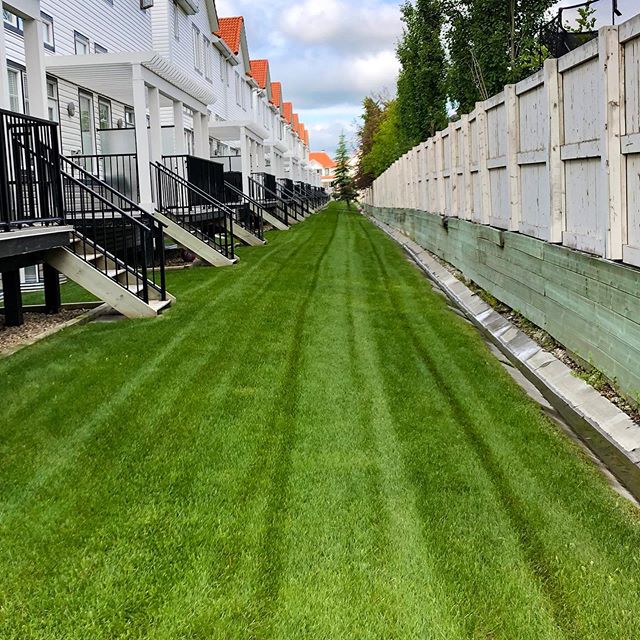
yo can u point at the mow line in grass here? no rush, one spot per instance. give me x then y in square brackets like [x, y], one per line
[53, 465]
[531, 545]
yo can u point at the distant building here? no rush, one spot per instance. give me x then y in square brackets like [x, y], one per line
[322, 163]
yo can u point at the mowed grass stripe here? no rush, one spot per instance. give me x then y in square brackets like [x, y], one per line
[310, 445]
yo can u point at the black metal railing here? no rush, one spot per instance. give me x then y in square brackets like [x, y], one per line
[30, 184]
[206, 175]
[196, 211]
[119, 171]
[270, 201]
[248, 212]
[113, 233]
[285, 191]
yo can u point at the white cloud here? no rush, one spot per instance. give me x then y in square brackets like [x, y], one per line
[368, 25]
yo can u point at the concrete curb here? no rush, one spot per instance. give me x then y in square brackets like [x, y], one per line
[609, 432]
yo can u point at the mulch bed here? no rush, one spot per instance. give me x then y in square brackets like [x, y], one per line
[34, 325]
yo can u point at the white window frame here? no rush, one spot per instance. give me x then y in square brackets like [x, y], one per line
[53, 100]
[176, 22]
[207, 58]
[104, 102]
[48, 32]
[82, 40]
[197, 49]
[16, 99]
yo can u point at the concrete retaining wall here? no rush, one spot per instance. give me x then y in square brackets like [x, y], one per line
[590, 305]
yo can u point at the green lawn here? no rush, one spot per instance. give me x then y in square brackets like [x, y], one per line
[308, 445]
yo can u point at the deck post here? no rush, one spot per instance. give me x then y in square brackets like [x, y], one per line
[52, 298]
[142, 138]
[36, 75]
[180, 144]
[13, 314]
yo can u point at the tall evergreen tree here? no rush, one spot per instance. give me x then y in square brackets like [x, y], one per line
[343, 185]
[422, 89]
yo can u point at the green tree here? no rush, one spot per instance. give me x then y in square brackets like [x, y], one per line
[373, 111]
[343, 185]
[422, 87]
[386, 147]
[491, 43]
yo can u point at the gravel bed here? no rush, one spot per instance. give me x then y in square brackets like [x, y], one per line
[34, 325]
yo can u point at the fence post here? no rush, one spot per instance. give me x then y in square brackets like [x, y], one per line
[552, 88]
[483, 170]
[466, 164]
[454, 209]
[611, 155]
[513, 145]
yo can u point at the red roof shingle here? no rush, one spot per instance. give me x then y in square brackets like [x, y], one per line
[276, 93]
[322, 158]
[288, 111]
[230, 30]
[260, 72]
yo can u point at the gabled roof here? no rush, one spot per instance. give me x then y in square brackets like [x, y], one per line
[230, 31]
[296, 123]
[260, 71]
[306, 137]
[322, 158]
[288, 111]
[276, 93]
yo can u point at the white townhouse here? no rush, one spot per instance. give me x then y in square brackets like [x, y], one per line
[147, 78]
[239, 120]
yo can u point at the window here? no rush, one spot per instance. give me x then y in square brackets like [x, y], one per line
[197, 49]
[104, 114]
[15, 91]
[53, 103]
[129, 118]
[207, 58]
[99, 48]
[176, 22]
[47, 32]
[11, 21]
[87, 126]
[238, 91]
[82, 44]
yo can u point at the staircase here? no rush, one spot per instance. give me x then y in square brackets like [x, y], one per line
[194, 219]
[276, 211]
[117, 249]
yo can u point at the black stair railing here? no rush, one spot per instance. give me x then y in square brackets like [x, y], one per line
[209, 176]
[113, 233]
[294, 201]
[206, 218]
[270, 201]
[247, 212]
[30, 185]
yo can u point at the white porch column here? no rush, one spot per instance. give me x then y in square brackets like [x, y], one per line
[262, 165]
[201, 134]
[245, 159]
[36, 74]
[142, 138]
[155, 125]
[4, 74]
[180, 144]
[204, 120]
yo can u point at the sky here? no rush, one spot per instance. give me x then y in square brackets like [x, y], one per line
[330, 54]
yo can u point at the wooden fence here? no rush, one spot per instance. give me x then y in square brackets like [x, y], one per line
[555, 157]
